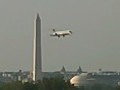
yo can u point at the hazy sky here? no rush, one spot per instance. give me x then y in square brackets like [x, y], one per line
[94, 44]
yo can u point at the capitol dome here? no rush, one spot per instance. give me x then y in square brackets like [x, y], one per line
[79, 80]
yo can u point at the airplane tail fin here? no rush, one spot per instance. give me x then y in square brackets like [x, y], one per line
[53, 30]
[71, 32]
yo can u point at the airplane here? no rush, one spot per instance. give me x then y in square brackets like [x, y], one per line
[61, 33]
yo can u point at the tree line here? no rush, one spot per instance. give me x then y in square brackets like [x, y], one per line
[56, 83]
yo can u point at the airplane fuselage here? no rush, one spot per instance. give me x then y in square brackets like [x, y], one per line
[61, 33]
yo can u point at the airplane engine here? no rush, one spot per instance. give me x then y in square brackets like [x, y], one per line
[55, 33]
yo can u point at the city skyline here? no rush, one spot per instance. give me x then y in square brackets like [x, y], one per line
[94, 43]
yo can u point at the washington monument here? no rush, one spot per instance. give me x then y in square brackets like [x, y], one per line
[37, 57]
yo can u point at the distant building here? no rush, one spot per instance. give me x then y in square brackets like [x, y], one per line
[89, 79]
[62, 71]
[79, 70]
[6, 77]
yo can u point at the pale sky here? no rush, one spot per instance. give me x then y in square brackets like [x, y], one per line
[94, 43]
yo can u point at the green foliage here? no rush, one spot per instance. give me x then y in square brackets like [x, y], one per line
[52, 84]
[101, 87]
[118, 88]
[29, 86]
[12, 86]
[56, 83]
